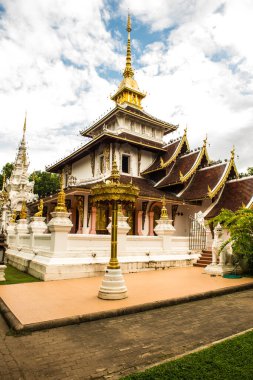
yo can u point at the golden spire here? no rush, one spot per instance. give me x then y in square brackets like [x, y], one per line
[164, 213]
[128, 72]
[23, 212]
[61, 206]
[128, 91]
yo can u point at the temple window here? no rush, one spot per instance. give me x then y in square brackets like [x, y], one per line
[125, 163]
[153, 132]
[101, 164]
[143, 129]
[132, 126]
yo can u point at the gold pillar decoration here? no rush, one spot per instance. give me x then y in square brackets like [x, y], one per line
[23, 212]
[40, 209]
[114, 192]
[164, 213]
[61, 206]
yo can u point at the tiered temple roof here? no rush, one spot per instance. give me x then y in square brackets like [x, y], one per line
[236, 193]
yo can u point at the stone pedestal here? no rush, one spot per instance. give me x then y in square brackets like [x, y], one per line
[22, 226]
[113, 286]
[164, 227]
[59, 226]
[220, 269]
[37, 225]
[11, 228]
[2, 274]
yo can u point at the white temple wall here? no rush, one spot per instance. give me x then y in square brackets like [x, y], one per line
[81, 169]
[147, 158]
[88, 255]
[138, 129]
[182, 222]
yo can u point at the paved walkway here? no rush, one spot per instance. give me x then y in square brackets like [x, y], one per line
[44, 301]
[110, 348]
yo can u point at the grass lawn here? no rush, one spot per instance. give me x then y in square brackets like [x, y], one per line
[14, 276]
[232, 359]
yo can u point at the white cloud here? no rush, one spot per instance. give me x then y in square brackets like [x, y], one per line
[33, 77]
[198, 74]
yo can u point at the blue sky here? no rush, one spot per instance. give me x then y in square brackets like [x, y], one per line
[62, 60]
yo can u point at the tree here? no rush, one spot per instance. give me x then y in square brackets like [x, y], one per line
[45, 183]
[240, 226]
[250, 171]
[7, 170]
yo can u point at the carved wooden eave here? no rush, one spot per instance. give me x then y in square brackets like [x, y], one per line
[211, 193]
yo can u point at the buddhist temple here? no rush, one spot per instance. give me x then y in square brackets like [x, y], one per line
[176, 189]
[188, 179]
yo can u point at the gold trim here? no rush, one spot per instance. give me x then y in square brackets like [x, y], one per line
[211, 193]
[174, 155]
[202, 153]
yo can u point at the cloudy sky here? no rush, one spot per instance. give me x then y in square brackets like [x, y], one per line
[60, 61]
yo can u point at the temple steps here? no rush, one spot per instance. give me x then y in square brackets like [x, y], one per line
[205, 259]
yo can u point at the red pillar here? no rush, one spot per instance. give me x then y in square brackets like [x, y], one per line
[151, 223]
[93, 220]
[139, 222]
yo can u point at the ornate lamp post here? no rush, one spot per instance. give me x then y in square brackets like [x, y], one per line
[114, 192]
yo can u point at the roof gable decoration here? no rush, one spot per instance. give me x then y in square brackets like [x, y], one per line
[202, 153]
[183, 141]
[230, 165]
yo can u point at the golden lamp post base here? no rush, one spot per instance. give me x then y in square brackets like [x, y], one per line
[113, 286]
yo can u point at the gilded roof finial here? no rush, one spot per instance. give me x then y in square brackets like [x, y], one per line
[205, 142]
[164, 213]
[232, 153]
[128, 72]
[24, 127]
[23, 212]
[61, 206]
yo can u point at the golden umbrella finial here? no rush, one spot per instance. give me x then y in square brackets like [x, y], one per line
[61, 206]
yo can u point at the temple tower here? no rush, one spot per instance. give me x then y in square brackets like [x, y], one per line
[19, 188]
